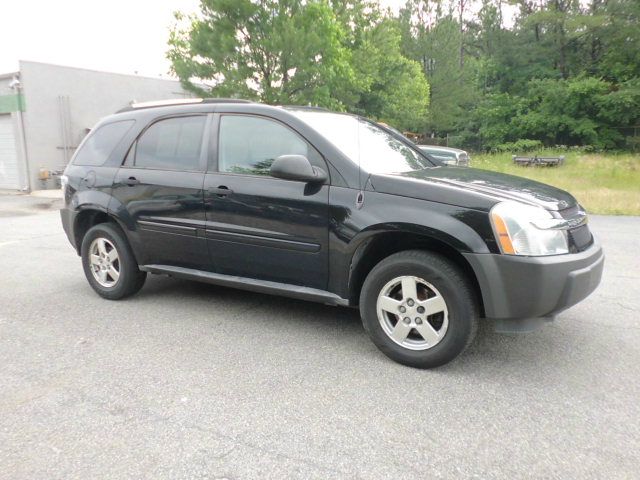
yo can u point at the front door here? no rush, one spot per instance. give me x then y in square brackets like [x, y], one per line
[158, 193]
[259, 226]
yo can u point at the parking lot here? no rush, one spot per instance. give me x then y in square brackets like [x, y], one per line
[187, 380]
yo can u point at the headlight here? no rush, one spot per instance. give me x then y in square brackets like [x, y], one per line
[527, 230]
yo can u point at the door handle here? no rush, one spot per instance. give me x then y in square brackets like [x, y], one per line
[220, 191]
[131, 181]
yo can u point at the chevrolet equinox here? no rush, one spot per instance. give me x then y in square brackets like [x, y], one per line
[328, 207]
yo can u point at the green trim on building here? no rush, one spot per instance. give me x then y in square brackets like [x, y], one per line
[12, 103]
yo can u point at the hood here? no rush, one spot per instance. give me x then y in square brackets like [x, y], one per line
[471, 188]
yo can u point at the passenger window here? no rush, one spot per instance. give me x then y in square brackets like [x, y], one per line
[171, 144]
[249, 145]
[99, 145]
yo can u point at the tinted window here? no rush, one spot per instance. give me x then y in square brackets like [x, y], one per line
[100, 143]
[171, 144]
[250, 144]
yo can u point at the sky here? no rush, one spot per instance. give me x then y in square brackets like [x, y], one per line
[123, 36]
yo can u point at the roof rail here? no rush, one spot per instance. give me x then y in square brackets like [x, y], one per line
[179, 101]
[307, 107]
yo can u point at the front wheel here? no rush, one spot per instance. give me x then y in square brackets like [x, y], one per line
[109, 264]
[419, 309]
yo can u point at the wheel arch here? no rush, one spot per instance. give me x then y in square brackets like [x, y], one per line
[382, 244]
[88, 217]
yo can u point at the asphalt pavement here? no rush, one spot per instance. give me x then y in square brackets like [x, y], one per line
[194, 381]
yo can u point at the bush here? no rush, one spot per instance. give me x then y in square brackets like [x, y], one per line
[584, 111]
[633, 143]
[522, 145]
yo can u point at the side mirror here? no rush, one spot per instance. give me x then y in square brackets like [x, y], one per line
[298, 168]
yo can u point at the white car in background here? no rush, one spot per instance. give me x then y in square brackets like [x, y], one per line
[446, 155]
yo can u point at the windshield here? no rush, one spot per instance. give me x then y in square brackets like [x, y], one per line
[364, 143]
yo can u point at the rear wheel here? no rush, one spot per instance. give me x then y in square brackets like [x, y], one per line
[419, 309]
[109, 264]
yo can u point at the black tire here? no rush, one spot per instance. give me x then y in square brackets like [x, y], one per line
[453, 287]
[131, 279]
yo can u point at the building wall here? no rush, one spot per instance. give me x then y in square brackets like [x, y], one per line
[63, 103]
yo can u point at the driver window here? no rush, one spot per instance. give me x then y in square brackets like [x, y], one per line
[249, 145]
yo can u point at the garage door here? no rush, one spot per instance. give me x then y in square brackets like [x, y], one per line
[8, 156]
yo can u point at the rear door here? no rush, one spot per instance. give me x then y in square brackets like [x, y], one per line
[159, 192]
[259, 226]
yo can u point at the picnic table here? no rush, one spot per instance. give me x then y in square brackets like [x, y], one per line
[537, 161]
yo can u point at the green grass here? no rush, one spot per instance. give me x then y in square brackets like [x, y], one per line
[607, 184]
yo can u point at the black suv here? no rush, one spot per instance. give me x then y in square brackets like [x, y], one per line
[328, 207]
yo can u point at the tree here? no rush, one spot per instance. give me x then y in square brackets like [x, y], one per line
[557, 72]
[563, 74]
[619, 40]
[285, 51]
[340, 55]
[395, 89]
[578, 111]
[434, 38]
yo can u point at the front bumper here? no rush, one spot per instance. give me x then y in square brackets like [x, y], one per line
[515, 287]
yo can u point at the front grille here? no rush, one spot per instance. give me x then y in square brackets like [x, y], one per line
[580, 238]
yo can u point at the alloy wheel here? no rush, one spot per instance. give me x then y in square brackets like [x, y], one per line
[104, 262]
[412, 312]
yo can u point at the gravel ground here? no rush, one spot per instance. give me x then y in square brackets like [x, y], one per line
[188, 380]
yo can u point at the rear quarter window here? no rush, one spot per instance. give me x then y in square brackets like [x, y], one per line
[100, 144]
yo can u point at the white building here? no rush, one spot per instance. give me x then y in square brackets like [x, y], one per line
[46, 110]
